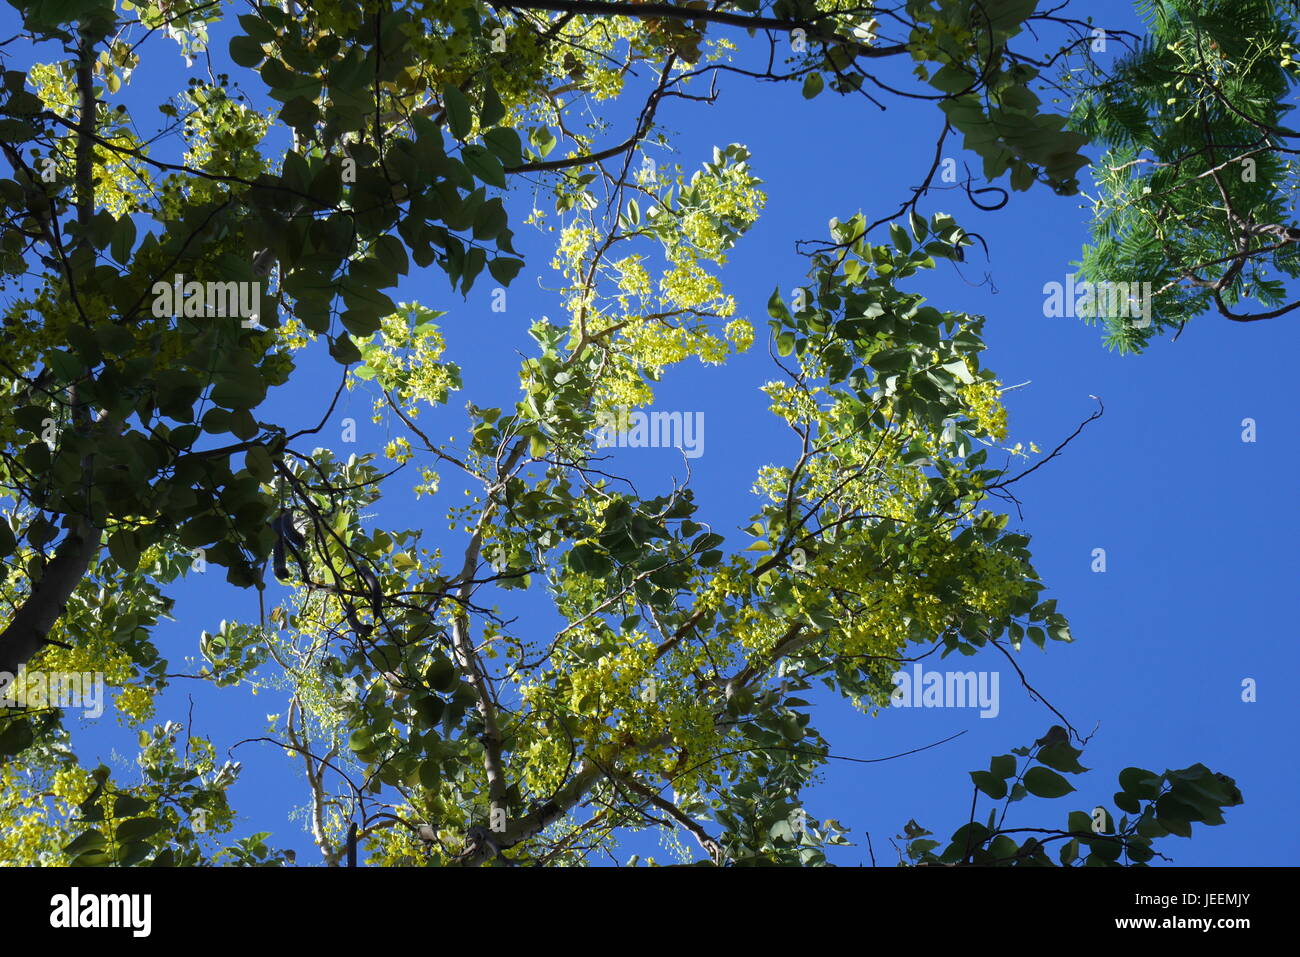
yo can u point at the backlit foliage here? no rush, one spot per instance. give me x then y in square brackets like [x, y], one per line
[573, 659]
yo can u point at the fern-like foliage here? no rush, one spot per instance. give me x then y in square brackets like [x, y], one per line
[1194, 189]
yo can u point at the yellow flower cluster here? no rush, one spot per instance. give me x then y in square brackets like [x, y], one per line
[136, 704]
[740, 332]
[986, 407]
[656, 346]
[36, 813]
[575, 240]
[98, 652]
[633, 279]
[688, 286]
[399, 450]
[731, 195]
[120, 185]
[994, 580]
[407, 365]
[791, 403]
[609, 707]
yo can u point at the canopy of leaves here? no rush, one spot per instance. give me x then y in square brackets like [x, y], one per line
[163, 276]
[1195, 189]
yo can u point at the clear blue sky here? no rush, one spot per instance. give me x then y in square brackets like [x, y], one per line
[1198, 530]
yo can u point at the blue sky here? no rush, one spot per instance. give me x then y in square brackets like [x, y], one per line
[1197, 525]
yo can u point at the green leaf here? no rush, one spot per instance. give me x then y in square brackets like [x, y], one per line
[65, 365]
[504, 269]
[587, 560]
[542, 140]
[302, 114]
[484, 165]
[919, 229]
[92, 840]
[129, 855]
[1046, 783]
[890, 360]
[1003, 848]
[493, 109]
[505, 143]
[1004, 766]
[1022, 176]
[242, 390]
[1105, 849]
[15, 736]
[137, 829]
[812, 85]
[285, 85]
[430, 773]
[490, 219]
[246, 52]
[1060, 631]
[100, 229]
[124, 546]
[123, 239]
[991, 784]
[1139, 850]
[216, 421]
[258, 462]
[345, 352]
[1127, 802]
[1141, 783]
[257, 28]
[429, 708]
[1062, 757]
[902, 242]
[91, 859]
[1070, 852]
[952, 79]
[128, 805]
[364, 300]
[441, 675]
[460, 118]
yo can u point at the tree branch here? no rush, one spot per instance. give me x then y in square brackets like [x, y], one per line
[670, 11]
